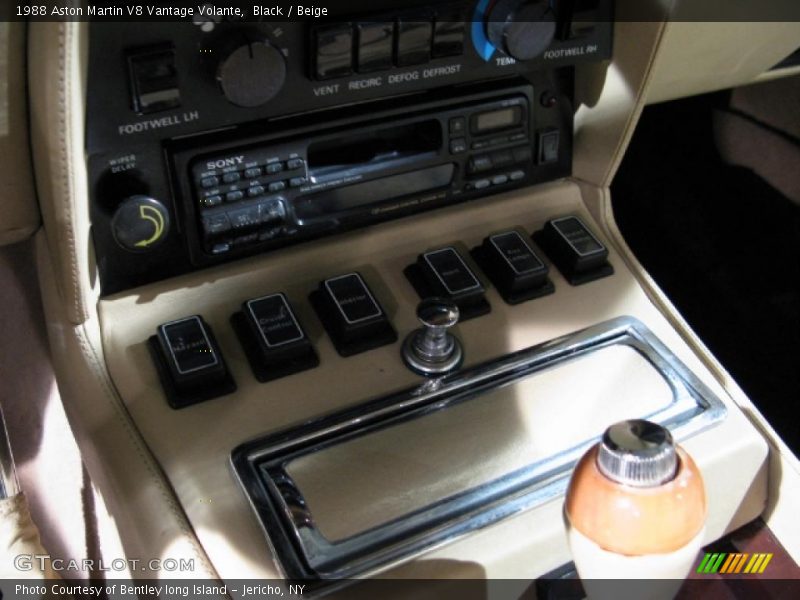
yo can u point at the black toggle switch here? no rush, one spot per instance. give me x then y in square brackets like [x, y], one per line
[351, 315]
[575, 250]
[153, 79]
[444, 273]
[189, 362]
[512, 265]
[273, 340]
[548, 146]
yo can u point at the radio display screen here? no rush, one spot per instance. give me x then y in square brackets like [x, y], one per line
[497, 119]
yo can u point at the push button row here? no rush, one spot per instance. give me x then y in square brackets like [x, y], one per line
[342, 49]
[271, 168]
[192, 369]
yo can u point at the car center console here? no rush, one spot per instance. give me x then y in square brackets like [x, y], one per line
[270, 203]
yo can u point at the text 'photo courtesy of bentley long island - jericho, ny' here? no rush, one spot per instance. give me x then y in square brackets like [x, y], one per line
[440, 299]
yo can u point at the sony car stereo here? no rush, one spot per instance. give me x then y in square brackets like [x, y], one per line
[213, 140]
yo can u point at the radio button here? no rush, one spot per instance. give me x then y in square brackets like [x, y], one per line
[216, 224]
[481, 184]
[375, 42]
[255, 190]
[295, 163]
[234, 196]
[275, 167]
[334, 52]
[242, 218]
[458, 146]
[448, 38]
[271, 211]
[516, 175]
[413, 43]
[351, 315]
[231, 177]
[252, 172]
[499, 179]
[457, 125]
[297, 181]
[220, 248]
[209, 182]
[480, 163]
[276, 186]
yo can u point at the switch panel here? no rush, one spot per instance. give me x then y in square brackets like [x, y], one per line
[153, 79]
[574, 249]
[189, 362]
[444, 273]
[274, 342]
[513, 266]
[352, 315]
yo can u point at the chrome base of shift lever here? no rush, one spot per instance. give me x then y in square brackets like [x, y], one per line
[432, 349]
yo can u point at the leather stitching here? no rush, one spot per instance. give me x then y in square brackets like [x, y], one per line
[66, 196]
[98, 370]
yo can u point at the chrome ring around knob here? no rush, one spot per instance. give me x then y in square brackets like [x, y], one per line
[432, 349]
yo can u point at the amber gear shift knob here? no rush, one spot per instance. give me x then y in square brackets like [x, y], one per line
[635, 506]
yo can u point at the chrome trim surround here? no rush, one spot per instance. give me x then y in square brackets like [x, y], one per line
[303, 553]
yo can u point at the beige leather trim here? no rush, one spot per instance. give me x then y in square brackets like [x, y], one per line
[57, 72]
[695, 58]
[609, 107]
[784, 466]
[19, 213]
[150, 521]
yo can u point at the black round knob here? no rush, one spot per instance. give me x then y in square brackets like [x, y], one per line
[140, 223]
[252, 73]
[522, 30]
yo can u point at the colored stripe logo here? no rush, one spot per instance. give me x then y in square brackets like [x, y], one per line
[726, 563]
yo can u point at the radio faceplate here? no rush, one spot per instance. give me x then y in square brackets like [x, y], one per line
[269, 191]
